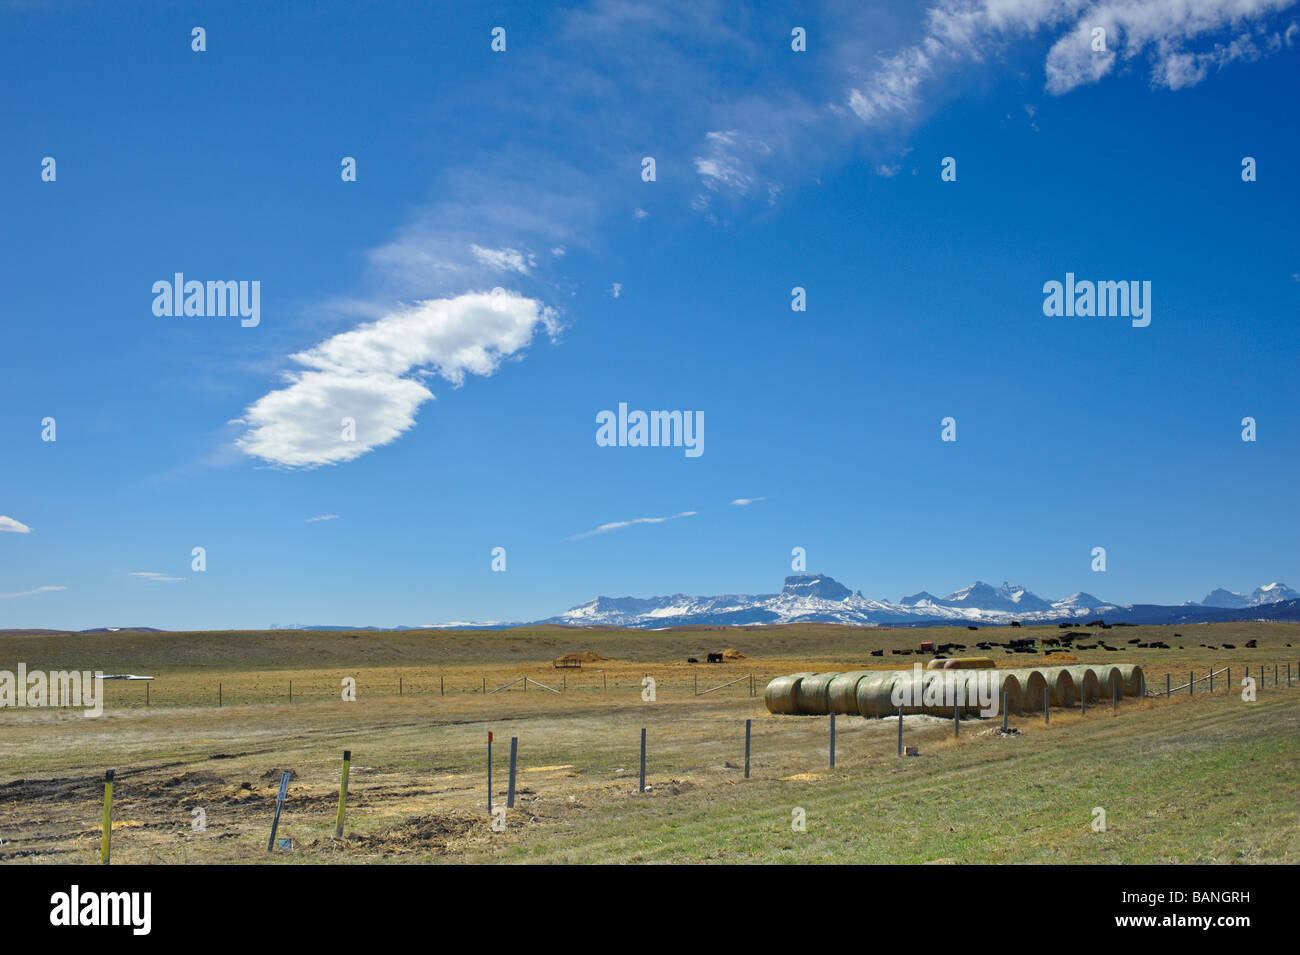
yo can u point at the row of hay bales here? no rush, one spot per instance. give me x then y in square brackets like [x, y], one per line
[871, 692]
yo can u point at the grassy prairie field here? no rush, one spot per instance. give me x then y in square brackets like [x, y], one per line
[1193, 778]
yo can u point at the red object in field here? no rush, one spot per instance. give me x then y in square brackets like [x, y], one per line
[927, 646]
[489, 737]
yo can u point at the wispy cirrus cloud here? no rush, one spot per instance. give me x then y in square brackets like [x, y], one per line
[746, 501]
[505, 260]
[1164, 33]
[619, 525]
[29, 593]
[322, 517]
[153, 577]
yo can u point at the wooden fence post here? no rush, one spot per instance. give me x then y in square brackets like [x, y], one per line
[105, 841]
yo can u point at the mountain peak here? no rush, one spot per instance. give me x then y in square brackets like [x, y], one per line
[815, 585]
[1269, 593]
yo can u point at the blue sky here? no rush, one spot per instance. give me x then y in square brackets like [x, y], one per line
[522, 171]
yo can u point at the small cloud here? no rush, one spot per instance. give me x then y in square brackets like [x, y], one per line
[28, 593]
[641, 214]
[13, 526]
[619, 525]
[504, 260]
[559, 251]
[889, 172]
[153, 577]
[616, 289]
[746, 501]
[323, 517]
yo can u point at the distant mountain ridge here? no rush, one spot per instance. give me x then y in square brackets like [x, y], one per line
[1267, 594]
[819, 598]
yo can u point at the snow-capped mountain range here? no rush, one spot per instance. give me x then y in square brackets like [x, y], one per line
[1268, 594]
[809, 598]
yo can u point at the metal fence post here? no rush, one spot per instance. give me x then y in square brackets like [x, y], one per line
[643, 759]
[747, 727]
[1047, 708]
[900, 731]
[343, 793]
[510, 788]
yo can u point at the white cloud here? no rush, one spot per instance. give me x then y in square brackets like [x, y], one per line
[28, 593]
[371, 376]
[641, 214]
[959, 32]
[505, 260]
[746, 501]
[618, 525]
[616, 289]
[149, 575]
[323, 517]
[728, 161]
[13, 526]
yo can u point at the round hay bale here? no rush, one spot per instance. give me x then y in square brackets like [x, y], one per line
[875, 693]
[1106, 675]
[935, 693]
[779, 694]
[938, 663]
[843, 692]
[980, 688]
[812, 695]
[1032, 684]
[1134, 679]
[1008, 683]
[1086, 685]
[1060, 686]
[969, 663]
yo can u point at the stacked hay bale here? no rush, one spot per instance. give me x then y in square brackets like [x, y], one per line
[871, 693]
[812, 695]
[843, 692]
[1087, 686]
[779, 695]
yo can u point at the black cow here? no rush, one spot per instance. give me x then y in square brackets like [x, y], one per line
[715, 658]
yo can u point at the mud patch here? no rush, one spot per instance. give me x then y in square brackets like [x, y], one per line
[439, 831]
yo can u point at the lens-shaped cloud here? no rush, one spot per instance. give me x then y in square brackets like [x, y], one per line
[361, 389]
